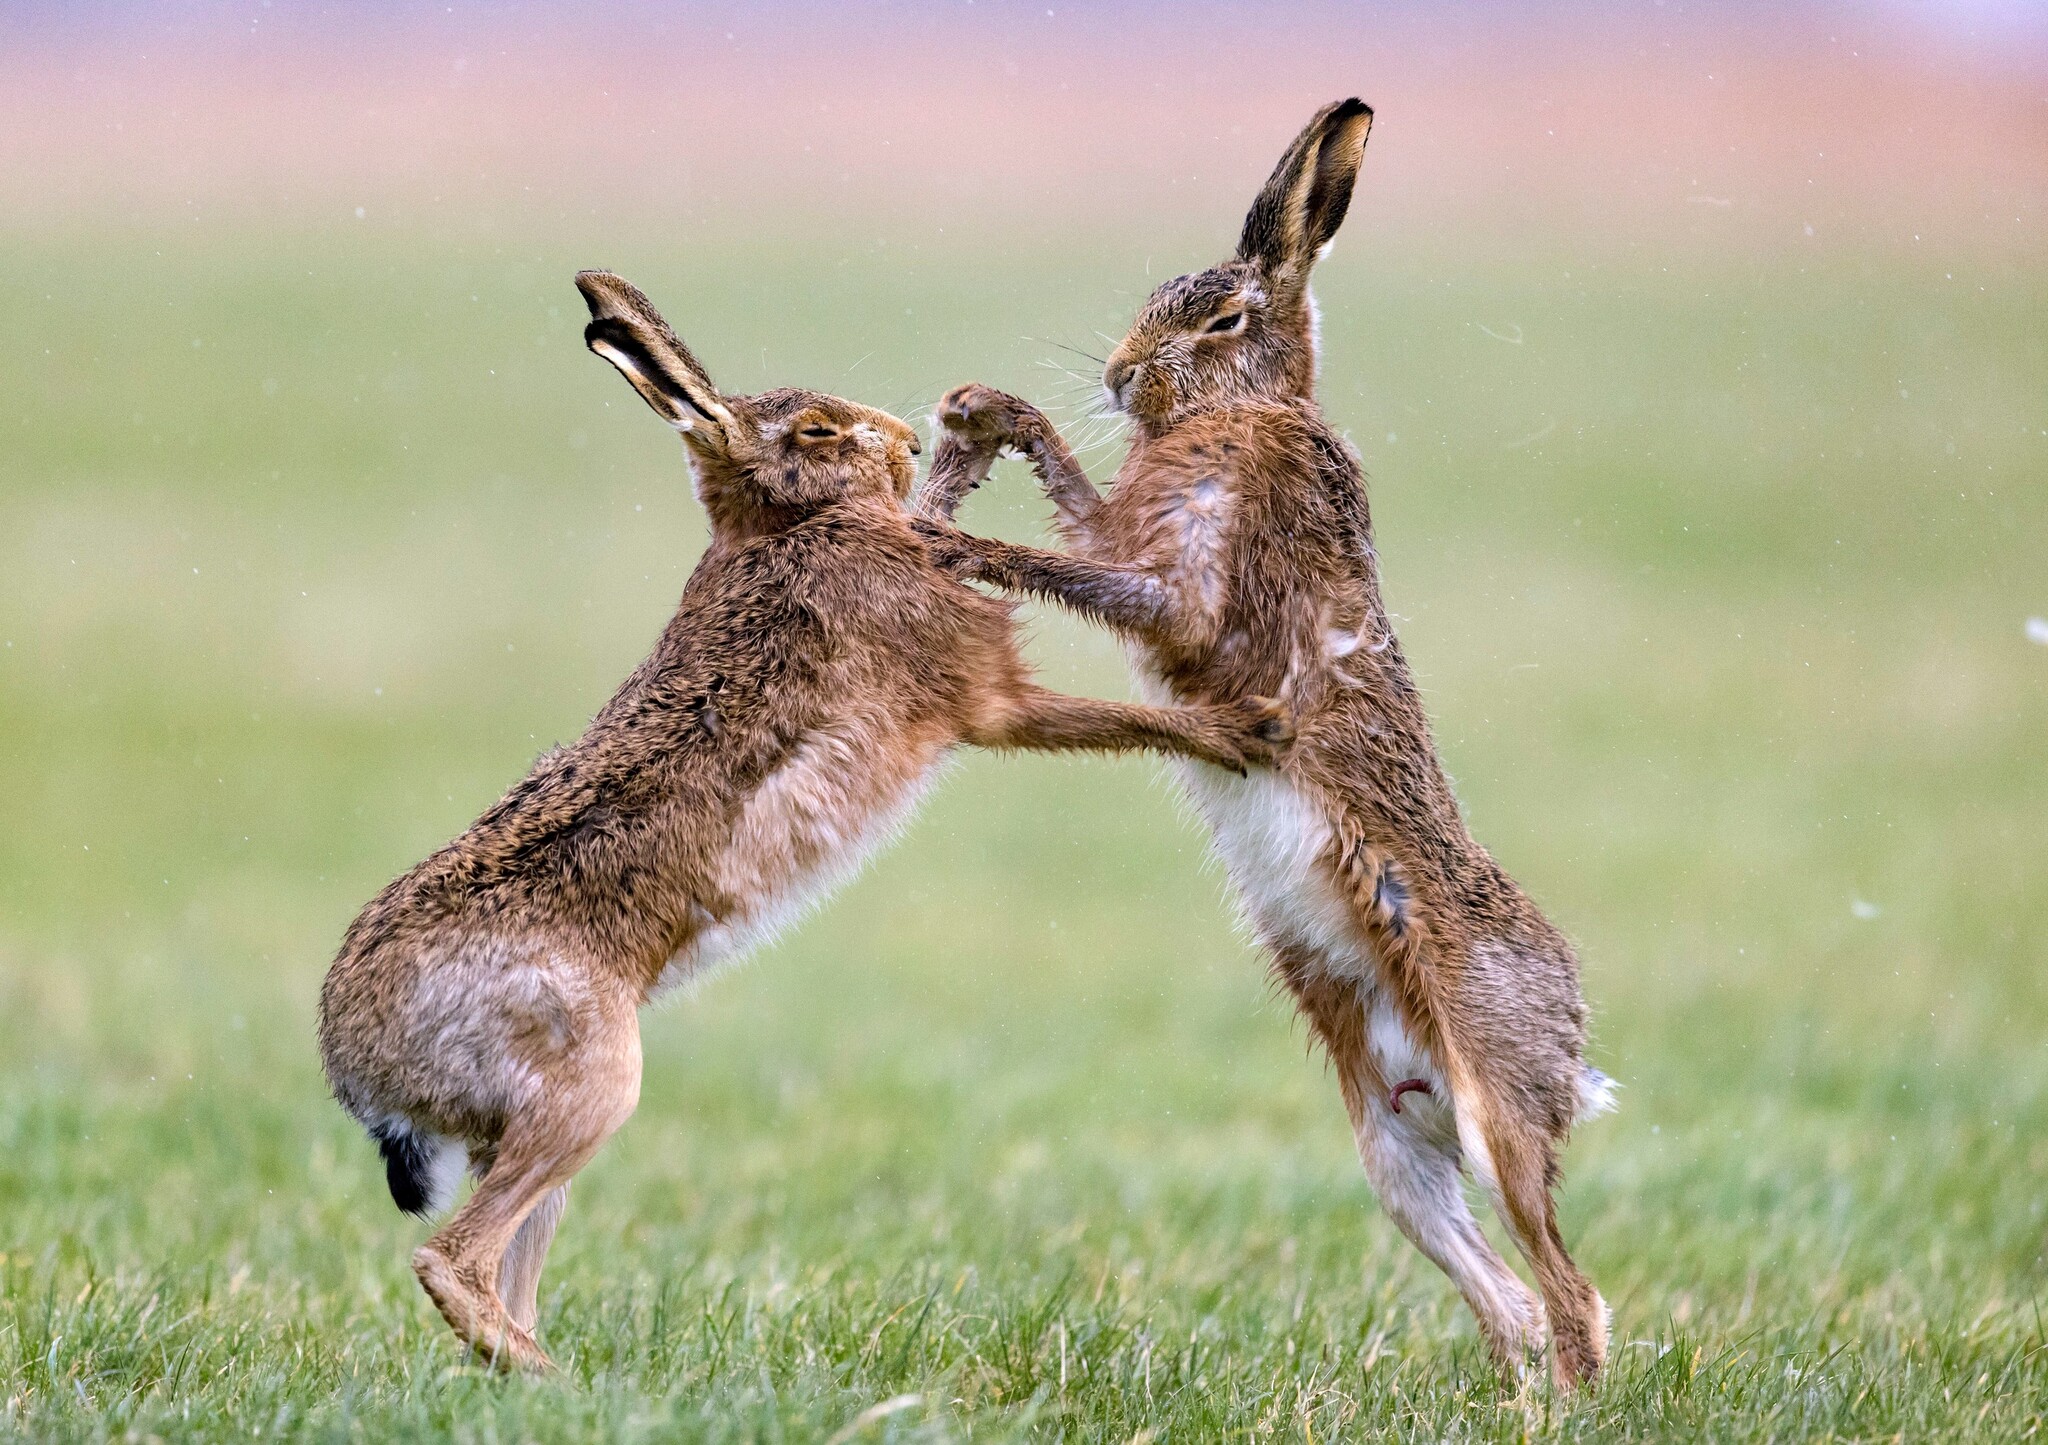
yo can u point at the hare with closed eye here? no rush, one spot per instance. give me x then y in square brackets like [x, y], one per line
[1235, 549]
[483, 1008]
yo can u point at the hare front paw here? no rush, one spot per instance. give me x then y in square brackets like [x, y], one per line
[1251, 732]
[1269, 725]
[982, 415]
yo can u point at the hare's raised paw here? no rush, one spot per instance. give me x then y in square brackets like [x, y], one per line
[977, 413]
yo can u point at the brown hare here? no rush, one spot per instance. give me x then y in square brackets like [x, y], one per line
[1235, 549]
[483, 1008]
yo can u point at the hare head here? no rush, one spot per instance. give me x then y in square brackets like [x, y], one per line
[760, 461]
[1245, 329]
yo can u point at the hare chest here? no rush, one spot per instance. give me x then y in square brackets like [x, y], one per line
[806, 830]
[1176, 527]
[1177, 522]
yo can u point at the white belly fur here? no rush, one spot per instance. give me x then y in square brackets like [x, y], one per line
[1272, 840]
[806, 831]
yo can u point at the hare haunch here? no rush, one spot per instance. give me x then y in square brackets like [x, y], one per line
[483, 1009]
[1235, 550]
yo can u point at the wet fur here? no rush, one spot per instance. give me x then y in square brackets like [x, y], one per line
[819, 668]
[1235, 549]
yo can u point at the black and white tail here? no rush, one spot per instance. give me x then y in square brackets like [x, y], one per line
[423, 1170]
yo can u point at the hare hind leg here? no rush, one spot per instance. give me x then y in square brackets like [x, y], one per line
[1520, 1167]
[1419, 1185]
[587, 1091]
[1412, 1163]
[519, 1276]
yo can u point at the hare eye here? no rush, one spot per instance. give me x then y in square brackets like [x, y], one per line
[1229, 321]
[819, 433]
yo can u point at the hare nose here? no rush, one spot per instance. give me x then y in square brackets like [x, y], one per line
[915, 449]
[1118, 375]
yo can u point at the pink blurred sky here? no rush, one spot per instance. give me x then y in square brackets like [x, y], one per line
[1742, 125]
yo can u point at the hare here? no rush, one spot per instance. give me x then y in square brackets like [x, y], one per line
[483, 1008]
[1234, 549]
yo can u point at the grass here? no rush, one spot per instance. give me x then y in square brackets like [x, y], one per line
[1715, 574]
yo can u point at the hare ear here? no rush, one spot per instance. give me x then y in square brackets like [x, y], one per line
[627, 331]
[1297, 214]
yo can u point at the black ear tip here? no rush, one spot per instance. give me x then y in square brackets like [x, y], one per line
[1350, 109]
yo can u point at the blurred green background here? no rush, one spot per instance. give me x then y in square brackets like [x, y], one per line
[1715, 565]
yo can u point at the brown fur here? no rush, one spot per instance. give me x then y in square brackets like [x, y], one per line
[818, 668]
[1235, 548]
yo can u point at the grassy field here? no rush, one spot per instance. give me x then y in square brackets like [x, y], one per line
[1716, 574]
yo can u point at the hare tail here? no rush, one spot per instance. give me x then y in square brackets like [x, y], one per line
[1596, 1095]
[422, 1169]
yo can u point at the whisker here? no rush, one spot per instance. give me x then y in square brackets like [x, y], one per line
[921, 399]
[1069, 373]
[1095, 431]
[1048, 341]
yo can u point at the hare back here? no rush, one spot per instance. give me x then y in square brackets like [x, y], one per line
[709, 777]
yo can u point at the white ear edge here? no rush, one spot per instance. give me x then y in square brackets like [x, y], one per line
[642, 383]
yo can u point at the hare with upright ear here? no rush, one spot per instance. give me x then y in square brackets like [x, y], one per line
[483, 1008]
[1235, 548]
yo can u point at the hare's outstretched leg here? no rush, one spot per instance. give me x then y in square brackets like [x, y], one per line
[1230, 735]
[1519, 1168]
[1411, 1158]
[1125, 599]
[519, 1276]
[583, 1091]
